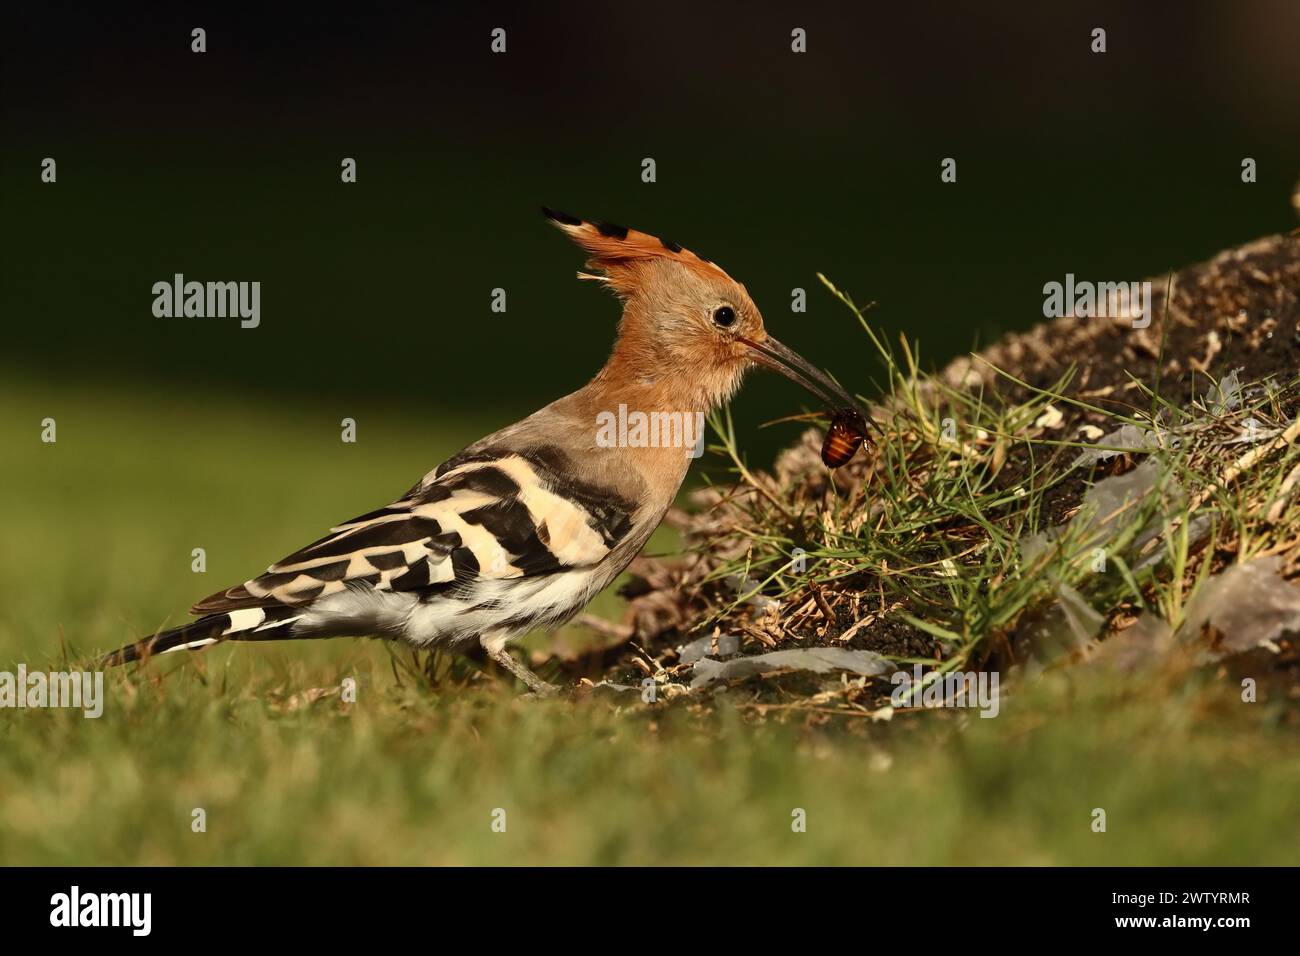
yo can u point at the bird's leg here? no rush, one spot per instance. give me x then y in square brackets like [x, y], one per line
[495, 647]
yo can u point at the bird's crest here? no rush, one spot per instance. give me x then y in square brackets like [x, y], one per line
[616, 250]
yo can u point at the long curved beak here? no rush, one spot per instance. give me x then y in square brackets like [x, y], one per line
[772, 354]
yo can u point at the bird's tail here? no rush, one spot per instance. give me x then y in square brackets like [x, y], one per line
[248, 624]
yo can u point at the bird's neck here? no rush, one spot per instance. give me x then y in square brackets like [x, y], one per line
[643, 417]
[643, 375]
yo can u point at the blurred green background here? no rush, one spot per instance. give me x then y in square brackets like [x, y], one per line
[226, 165]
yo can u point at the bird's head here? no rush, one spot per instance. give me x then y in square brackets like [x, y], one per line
[687, 325]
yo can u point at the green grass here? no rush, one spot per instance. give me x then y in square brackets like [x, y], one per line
[98, 533]
[410, 776]
[940, 529]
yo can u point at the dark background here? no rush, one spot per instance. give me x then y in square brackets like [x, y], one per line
[225, 166]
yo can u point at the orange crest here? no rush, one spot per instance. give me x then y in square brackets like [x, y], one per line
[616, 251]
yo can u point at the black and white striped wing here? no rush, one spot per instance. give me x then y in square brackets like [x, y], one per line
[488, 517]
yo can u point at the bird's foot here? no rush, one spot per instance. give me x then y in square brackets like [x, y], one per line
[543, 690]
[538, 687]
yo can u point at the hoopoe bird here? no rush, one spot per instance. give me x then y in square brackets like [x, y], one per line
[521, 529]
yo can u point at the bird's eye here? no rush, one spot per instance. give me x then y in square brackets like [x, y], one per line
[724, 315]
